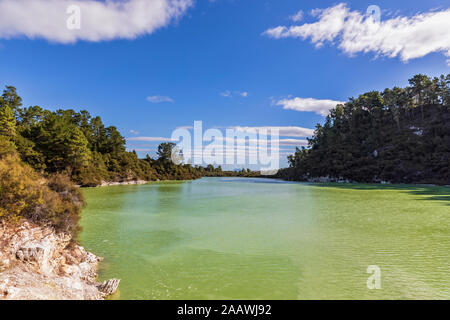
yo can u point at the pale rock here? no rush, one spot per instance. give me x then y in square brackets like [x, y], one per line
[39, 264]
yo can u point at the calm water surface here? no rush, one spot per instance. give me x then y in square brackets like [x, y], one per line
[237, 238]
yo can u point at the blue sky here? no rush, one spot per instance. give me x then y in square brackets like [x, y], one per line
[213, 63]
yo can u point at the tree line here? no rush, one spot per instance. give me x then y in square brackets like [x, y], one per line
[43, 153]
[82, 147]
[399, 135]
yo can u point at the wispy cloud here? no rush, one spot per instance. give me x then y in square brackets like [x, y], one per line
[248, 142]
[240, 141]
[162, 139]
[229, 94]
[142, 149]
[159, 99]
[226, 94]
[100, 21]
[355, 32]
[297, 17]
[283, 131]
[186, 127]
[321, 107]
[294, 142]
[134, 132]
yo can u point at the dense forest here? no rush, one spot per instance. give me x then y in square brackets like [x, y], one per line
[82, 147]
[400, 135]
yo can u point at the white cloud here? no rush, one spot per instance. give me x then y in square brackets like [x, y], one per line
[149, 139]
[141, 149]
[354, 32]
[293, 142]
[159, 99]
[240, 142]
[283, 131]
[297, 17]
[134, 132]
[321, 107]
[226, 94]
[229, 94]
[100, 21]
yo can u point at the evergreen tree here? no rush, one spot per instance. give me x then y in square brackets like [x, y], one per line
[400, 135]
[12, 99]
[78, 152]
[165, 151]
[7, 121]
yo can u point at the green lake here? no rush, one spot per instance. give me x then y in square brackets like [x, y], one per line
[242, 238]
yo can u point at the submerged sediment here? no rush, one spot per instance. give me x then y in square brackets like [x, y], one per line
[36, 263]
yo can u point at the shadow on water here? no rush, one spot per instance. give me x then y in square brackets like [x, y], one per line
[437, 193]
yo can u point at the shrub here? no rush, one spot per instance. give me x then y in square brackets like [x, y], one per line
[24, 194]
[6, 147]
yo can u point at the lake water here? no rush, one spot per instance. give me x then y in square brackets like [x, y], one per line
[238, 238]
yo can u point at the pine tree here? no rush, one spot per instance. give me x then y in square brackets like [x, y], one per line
[12, 99]
[7, 121]
[78, 151]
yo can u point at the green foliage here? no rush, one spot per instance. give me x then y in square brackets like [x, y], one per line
[24, 194]
[11, 98]
[28, 153]
[165, 151]
[81, 146]
[6, 147]
[398, 135]
[7, 121]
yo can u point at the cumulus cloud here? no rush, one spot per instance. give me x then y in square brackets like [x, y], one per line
[159, 99]
[321, 107]
[100, 21]
[355, 32]
[283, 131]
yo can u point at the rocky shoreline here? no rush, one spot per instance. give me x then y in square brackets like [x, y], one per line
[36, 263]
[123, 183]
